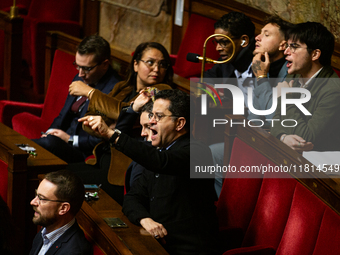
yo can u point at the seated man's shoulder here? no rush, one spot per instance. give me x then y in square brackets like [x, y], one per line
[77, 242]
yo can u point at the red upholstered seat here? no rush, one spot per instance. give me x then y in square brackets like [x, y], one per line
[277, 213]
[62, 74]
[198, 29]
[31, 119]
[270, 216]
[239, 194]
[43, 16]
[303, 225]
[329, 234]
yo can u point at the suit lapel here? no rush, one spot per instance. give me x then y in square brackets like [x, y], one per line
[63, 239]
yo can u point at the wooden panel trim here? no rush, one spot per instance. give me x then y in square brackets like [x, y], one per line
[100, 232]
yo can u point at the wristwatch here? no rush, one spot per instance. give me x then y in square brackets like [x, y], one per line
[70, 140]
[113, 138]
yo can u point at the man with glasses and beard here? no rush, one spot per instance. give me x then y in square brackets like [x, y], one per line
[58, 199]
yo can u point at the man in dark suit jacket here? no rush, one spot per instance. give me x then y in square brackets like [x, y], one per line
[55, 209]
[65, 137]
[175, 208]
[309, 50]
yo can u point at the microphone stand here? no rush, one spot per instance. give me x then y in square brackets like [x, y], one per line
[13, 11]
[215, 61]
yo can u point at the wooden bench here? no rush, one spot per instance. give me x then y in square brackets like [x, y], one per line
[130, 240]
[21, 170]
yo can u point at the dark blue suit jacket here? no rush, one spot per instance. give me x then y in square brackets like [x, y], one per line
[72, 242]
[86, 141]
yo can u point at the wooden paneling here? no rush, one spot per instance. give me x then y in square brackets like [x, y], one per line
[12, 54]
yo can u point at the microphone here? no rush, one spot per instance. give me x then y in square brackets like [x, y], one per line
[193, 57]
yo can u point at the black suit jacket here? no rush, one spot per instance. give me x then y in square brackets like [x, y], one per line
[125, 122]
[166, 193]
[72, 242]
[86, 141]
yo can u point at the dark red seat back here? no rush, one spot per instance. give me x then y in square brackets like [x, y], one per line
[43, 16]
[198, 30]
[55, 10]
[239, 193]
[61, 77]
[271, 212]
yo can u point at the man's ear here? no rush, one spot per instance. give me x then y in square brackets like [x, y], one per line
[106, 63]
[282, 45]
[180, 123]
[244, 40]
[316, 54]
[64, 208]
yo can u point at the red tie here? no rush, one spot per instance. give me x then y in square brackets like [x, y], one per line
[76, 105]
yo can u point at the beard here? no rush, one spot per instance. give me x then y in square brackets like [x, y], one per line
[44, 221]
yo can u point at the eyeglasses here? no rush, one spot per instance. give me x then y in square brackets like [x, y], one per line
[85, 69]
[152, 64]
[293, 47]
[45, 199]
[222, 42]
[159, 116]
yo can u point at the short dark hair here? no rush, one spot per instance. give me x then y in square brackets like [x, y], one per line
[283, 25]
[315, 36]
[97, 45]
[70, 188]
[147, 107]
[137, 56]
[237, 24]
[179, 104]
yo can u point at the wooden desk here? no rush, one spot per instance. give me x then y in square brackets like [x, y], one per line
[23, 178]
[130, 240]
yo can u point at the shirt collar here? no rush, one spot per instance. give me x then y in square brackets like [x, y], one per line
[305, 85]
[54, 235]
[245, 74]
